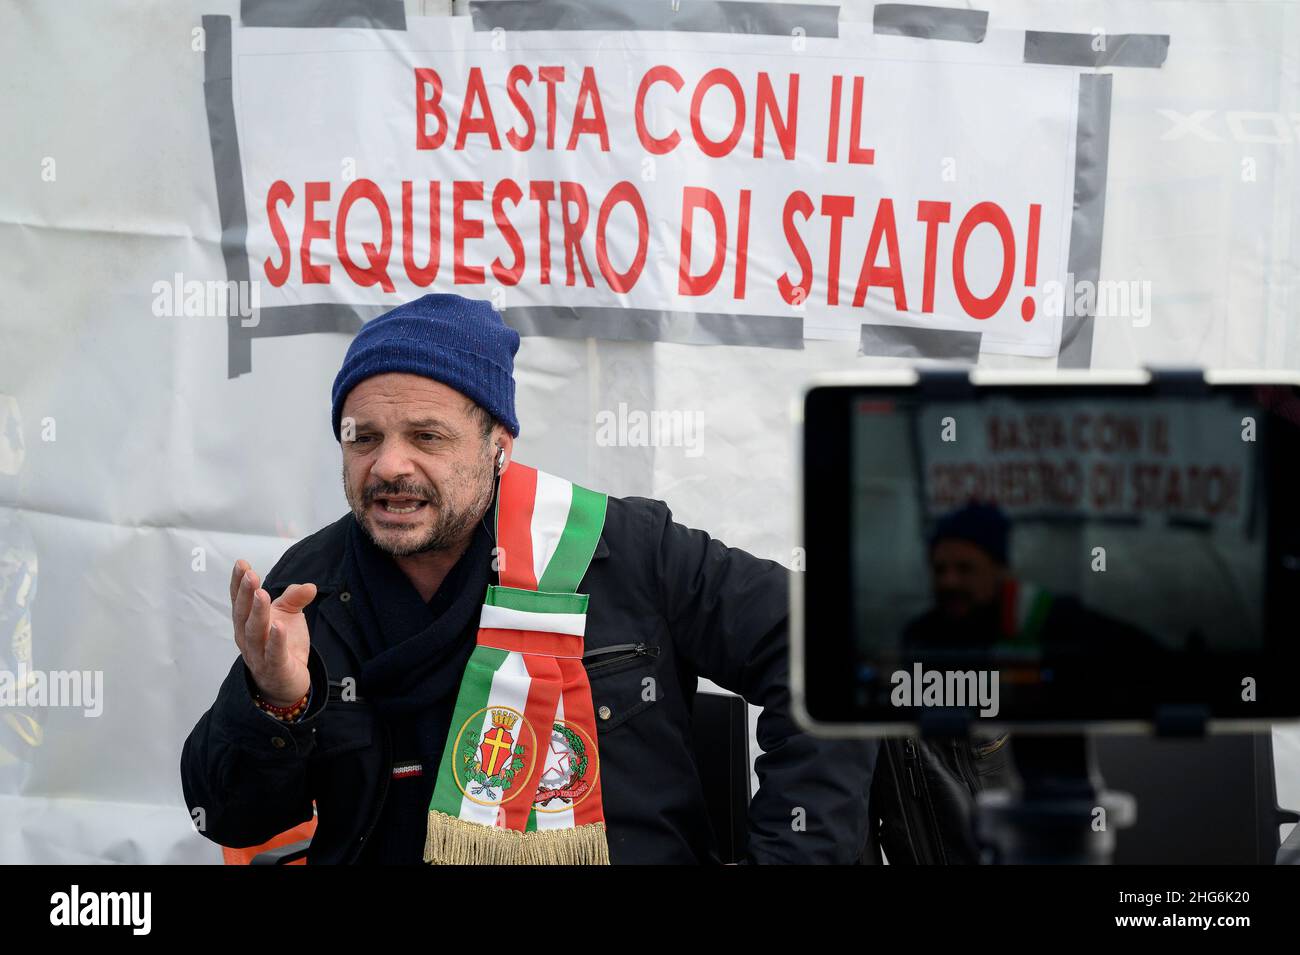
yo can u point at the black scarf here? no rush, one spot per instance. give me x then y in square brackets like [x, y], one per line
[417, 650]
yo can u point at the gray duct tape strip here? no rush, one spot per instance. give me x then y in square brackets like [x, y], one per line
[1092, 148]
[218, 98]
[646, 324]
[366, 14]
[909, 341]
[307, 319]
[930, 23]
[1076, 49]
[691, 16]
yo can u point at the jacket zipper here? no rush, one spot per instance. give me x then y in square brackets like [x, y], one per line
[624, 651]
[383, 792]
[910, 751]
[336, 694]
[961, 751]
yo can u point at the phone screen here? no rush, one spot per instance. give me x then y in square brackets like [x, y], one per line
[1056, 554]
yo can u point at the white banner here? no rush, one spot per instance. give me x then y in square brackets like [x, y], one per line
[723, 174]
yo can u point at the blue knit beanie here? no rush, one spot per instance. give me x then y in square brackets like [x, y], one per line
[460, 342]
[984, 525]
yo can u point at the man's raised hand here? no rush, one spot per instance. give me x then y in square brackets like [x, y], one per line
[272, 635]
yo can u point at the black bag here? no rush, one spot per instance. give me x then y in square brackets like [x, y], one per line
[923, 798]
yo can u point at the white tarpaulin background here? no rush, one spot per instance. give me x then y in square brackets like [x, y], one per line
[135, 468]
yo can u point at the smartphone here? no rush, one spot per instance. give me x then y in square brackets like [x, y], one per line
[1117, 552]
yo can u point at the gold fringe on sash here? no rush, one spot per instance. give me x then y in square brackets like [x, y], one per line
[453, 841]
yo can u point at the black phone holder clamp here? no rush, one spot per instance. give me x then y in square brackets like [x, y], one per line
[1057, 813]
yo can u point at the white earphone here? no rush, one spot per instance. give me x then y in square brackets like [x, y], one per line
[501, 460]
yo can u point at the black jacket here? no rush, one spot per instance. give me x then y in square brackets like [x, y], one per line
[668, 602]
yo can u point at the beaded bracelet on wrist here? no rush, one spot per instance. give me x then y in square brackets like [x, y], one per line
[286, 713]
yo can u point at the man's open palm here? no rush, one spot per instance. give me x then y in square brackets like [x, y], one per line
[272, 635]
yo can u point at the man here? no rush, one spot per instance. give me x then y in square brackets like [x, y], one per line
[983, 612]
[366, 645]
[970, 579]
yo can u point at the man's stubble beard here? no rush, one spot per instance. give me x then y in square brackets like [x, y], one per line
[451, 526]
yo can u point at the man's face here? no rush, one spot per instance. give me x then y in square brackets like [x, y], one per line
[965, 577]
[418, 473]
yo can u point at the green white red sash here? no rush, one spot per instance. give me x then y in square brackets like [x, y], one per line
[519, 779]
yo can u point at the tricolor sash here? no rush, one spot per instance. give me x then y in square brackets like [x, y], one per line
[519, 779]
